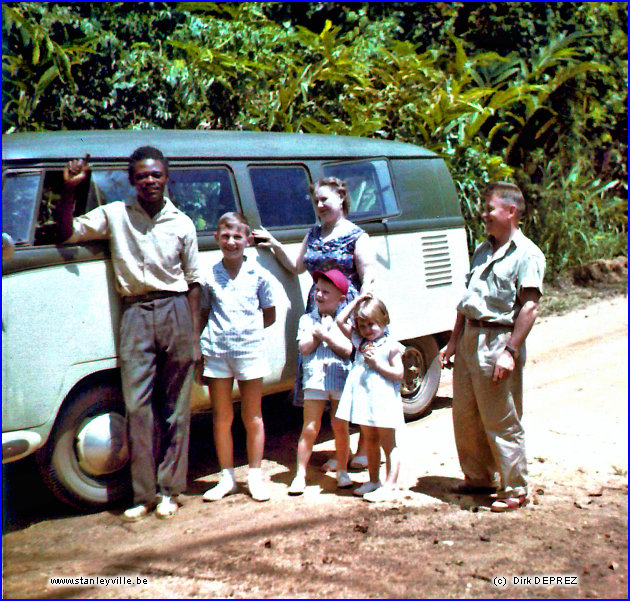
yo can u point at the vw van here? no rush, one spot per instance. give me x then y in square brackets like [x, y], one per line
[61, 392]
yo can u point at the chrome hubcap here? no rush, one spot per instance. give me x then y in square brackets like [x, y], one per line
[102, 444]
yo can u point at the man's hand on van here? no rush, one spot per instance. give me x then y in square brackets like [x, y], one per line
[76, 171]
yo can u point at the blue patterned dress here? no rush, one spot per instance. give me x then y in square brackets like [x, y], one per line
[320, 255]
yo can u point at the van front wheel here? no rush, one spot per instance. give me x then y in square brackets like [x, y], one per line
[85, 462]
[422, 375]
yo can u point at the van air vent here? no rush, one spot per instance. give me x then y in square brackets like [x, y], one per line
[437, 263]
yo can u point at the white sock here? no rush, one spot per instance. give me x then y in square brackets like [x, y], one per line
[228, 474]
[255, 474]
[300, 472]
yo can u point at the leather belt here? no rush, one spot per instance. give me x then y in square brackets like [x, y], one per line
[480, 323]
[149, 296]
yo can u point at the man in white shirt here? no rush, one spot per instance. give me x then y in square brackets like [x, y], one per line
[154, 255]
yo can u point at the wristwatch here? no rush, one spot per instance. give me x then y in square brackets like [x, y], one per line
[510, 350]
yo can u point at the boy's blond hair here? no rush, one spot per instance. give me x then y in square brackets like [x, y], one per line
[372, 308]
[233, 219]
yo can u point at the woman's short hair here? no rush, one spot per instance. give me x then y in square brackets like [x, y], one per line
[372, 308]
[143, 153]
[233, 219]
[336, 184]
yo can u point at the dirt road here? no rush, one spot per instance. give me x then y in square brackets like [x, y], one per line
[431, 543]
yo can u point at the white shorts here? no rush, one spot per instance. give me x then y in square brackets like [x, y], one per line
[312, 394]
[246, 368]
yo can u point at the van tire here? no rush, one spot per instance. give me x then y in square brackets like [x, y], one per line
[59, 463]
[422, 375]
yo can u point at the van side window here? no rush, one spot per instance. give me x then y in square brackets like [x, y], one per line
[369, 187]
[204, 194]
[282, 196]
[20, 193]
[108, 186]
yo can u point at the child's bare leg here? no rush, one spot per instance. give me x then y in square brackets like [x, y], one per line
[222, 417]
[373, 451]
[251, 414]
[359, 460]
[342, 439]
[313, 411]
[387, 437]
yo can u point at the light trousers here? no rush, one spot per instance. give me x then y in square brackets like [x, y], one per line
[487, 416]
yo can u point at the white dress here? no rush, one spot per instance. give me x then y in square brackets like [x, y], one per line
[368, 398]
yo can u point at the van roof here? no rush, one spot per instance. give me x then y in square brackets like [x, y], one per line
[191, 144]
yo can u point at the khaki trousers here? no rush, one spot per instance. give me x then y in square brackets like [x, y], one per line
[486, 416]
[156, 354]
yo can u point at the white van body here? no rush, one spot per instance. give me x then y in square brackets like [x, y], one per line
[60, 310]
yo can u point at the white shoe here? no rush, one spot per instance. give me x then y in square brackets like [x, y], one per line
[343, 480]
[222, 489]
[298, 486]
[258, 489]
[381, 495]
[166, 508]
[366, 488]
[330, 465]
[134, 514]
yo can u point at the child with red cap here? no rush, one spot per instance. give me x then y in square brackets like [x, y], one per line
[326, 363]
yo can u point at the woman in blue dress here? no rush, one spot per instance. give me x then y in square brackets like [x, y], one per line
[333, 243]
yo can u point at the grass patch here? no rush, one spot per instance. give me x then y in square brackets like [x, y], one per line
[563, 296]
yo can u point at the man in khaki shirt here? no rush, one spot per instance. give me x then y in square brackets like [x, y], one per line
[494, 318]
[154, 255]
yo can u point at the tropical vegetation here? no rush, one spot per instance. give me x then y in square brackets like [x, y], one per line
[534, 93]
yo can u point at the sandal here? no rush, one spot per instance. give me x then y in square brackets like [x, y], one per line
[508, 504]
[330, 465]
[359, 462]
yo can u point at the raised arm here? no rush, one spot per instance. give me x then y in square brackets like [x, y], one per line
[74, 173]
[344, 315]
[266, 240]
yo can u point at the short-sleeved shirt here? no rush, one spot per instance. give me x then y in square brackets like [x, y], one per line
[235, 325]
[149, 254]
[323, 369]
[494, 281]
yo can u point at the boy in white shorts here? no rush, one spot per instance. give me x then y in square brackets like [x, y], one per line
[237, 304]
[326, 363]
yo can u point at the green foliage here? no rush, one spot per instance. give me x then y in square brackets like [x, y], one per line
[531, 92]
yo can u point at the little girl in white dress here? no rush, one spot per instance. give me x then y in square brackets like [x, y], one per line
[371, 396]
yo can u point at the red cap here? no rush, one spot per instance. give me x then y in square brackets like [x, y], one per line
[335, 276]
